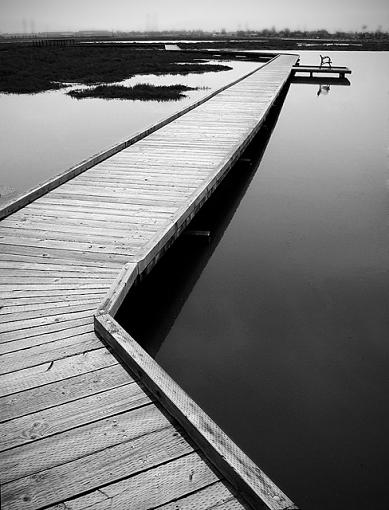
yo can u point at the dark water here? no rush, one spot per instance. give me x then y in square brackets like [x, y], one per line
[278, 326]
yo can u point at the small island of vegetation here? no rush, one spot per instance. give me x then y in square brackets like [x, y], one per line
[142, 91]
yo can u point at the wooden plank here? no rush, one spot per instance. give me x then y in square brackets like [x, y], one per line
[50, 306]
[38, 354]
[123, 248]
[38, 251]
[52, 300]
[215, 496]
[73, 414]
[153, 487]
[81, 332]
[103, 236]
[80, 442]
[49, 329]
[10, 296]
[106, 230]
[23, 281]
[55, 371]
[142, 189]
[18, 325]
[66, 202]
[65, 390]
[46, 258]
[90, 472]
[9, 314]
[56, 273]
[133, 215]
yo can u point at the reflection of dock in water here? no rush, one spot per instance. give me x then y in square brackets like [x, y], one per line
[320, 80]
[78, 430]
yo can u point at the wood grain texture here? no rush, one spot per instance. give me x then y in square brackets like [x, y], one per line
[81, 442]
[151, 488]
[71, 415]
[55, 371]
[93, 471]
[66, 390]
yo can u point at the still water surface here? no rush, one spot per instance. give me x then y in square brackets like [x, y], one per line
[279, 326]
[42, 135]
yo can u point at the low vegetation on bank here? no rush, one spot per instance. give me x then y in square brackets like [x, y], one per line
[29, 69]
[142, 91]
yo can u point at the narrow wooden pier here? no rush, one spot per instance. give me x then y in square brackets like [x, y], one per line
[78, 429]
[321, 70]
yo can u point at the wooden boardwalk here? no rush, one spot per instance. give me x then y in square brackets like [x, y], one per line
[77, 430]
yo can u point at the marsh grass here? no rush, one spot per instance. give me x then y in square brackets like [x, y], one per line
[26, 69]
[142, 91]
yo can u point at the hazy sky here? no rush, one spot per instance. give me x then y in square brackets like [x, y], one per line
[47, 15]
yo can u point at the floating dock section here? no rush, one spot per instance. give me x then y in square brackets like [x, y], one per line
[88, 419]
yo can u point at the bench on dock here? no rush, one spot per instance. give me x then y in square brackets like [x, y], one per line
[325, 60]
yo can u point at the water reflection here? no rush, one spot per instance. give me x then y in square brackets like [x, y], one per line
[324, 89]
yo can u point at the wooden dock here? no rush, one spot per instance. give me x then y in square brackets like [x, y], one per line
[84, 425]
[320, 70]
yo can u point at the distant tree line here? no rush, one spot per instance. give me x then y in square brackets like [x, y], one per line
[364, 34]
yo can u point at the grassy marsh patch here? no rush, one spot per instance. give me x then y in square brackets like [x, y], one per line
[142, 91]
[27, 69]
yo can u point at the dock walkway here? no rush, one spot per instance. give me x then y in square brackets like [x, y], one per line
[77, 430]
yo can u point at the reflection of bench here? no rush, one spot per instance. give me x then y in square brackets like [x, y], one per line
[325, 60]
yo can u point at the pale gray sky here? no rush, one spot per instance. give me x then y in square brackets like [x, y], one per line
[50, 15]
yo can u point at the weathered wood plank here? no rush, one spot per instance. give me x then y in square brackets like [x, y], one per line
[18, 325]
[50, 306]
[11, 296]
[73, 414]
[90, 472]
[104, 236]
[95, 248]
[35, 312]
[81, 442]
[46, 258]
[38, 354]
[50, 329]
[213, 497]
[48, 253]
[35, 341]
[65, 390]
[152, 488]
[55, 371]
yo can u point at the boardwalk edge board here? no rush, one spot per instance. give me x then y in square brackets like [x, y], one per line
[67, 175]
[245, 476]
